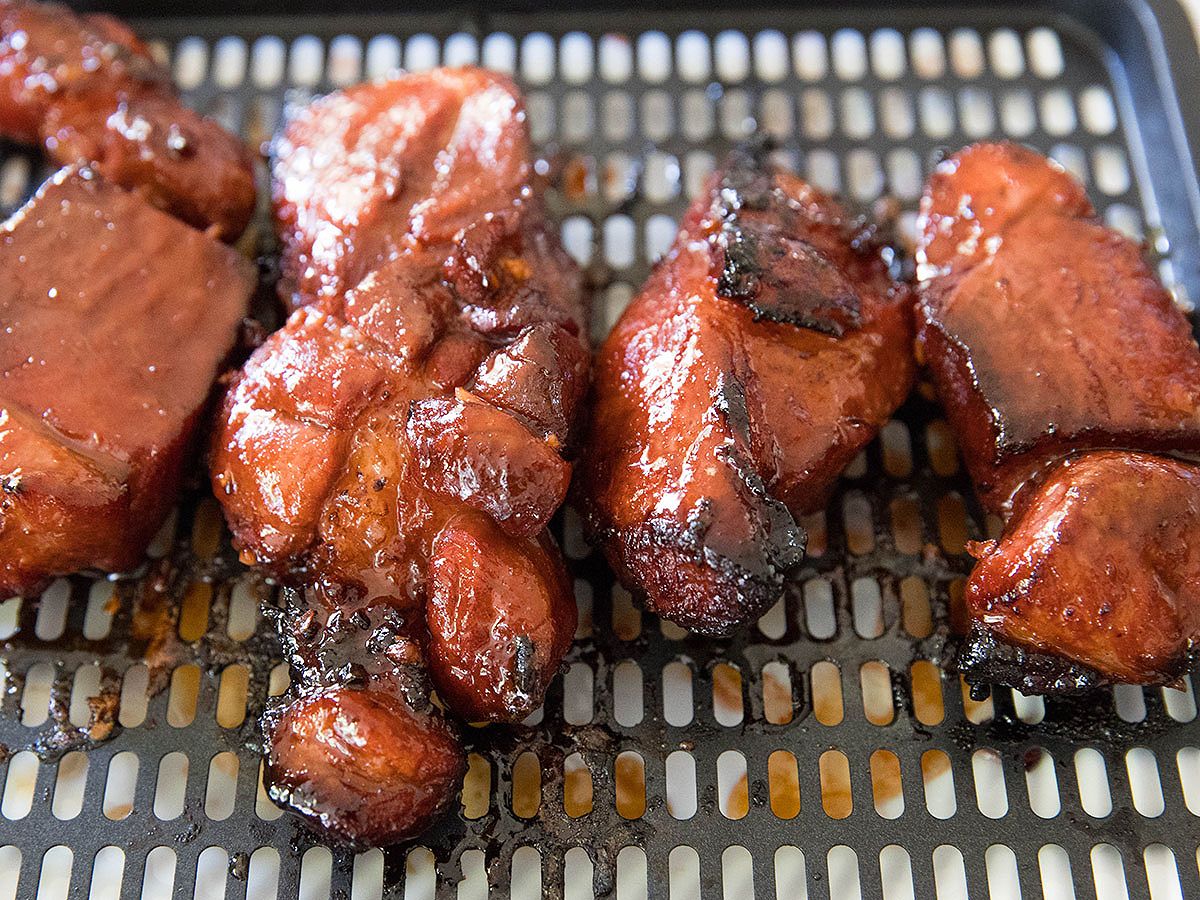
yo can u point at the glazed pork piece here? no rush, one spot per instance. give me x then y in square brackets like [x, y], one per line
[764, 352]
[1049, 341]
[1044, 331]
[1098, 578]
[341, 205]
[87, 90]
[396, 451]
[117, 320]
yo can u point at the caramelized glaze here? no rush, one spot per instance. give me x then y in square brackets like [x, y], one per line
[87, 89]
[763, 353]
[1048, 336]
[117, 318]
[395, 451]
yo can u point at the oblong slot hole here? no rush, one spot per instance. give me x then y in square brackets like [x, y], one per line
[1162, 875]
[827, 693]
[51, 619]
[1180, 702]
[895, 872]
[836, 797]
[134, 699]
[184, 695]
[212, 873]
[170, 793]
[10, 872]
[733, 789]
[915, 612]
[1144, 783]
[990, 793]
[1108, 873]
[627, 693]
[221, 793]
[525, 875]
[158, 882]
[681, 785]
[876, 683]
[1092, 776]
[867, 605]
[777, 692]
[819, 610]
[316, 873]
[927, 693]
[1055, 867]
[102, 606]
[19, 785]
[727, 695]
[677, 694]
[949, 873]
[70, 785]
[264, 806]
[54, 881]
[886, 787]
[938, 779]
[683, 872]
[578, 873]
[978, 712]
[737, 873]
[477, 787]
[783, 779]
[120, 786]
[577, 786]
[527, 785]
[1042, 783]
[844, 879]
[35, 699]
[231, 696]
[108, 872]
[630, 772]
[262, 876]
[193, 613]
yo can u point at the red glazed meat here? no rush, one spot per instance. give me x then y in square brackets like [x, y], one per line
[396, 450]
[765, 351]
[88, 91]
[363, 173]
[117, 319]
[1044, 332]
[1047, 335]
[1101, 569]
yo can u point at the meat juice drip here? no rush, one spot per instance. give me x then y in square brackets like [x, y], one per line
[396, 451]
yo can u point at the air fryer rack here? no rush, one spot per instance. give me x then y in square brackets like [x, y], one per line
[151, 789]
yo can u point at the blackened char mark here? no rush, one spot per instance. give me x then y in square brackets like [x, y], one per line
[982, 658]
[763, 264]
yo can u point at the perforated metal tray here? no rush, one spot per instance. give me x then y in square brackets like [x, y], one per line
[820, 754]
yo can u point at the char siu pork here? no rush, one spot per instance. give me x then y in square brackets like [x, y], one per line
[1049, 339]
[87, 90]
[765, 351]
[117, 318]
[396, 451]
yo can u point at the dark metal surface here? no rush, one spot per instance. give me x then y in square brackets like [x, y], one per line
[895, 524]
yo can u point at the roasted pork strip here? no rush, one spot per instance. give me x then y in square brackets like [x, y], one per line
[117, 318]
[1044, 331]
[1049, 339]
[87, 90]
[395, 451]
[765, 351]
